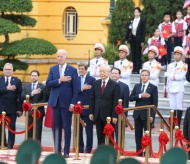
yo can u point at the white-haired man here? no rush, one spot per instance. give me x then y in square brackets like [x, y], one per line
[63, 81]
[104, 98]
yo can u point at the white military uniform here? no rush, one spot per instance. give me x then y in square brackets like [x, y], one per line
[95, 67]
[126, 68]
[175, 84]
[154, 67]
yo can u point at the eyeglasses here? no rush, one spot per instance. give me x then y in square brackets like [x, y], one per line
[8, 69]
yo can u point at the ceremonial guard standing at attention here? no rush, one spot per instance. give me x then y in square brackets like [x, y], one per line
[97, 61]
[152, 65]
[124, 65]
[175, 82]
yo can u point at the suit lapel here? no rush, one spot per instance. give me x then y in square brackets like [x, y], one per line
[148, 88]
[12, 80]
[66, 70]
[138, 25]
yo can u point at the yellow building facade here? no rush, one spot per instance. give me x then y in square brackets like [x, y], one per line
[51, 23]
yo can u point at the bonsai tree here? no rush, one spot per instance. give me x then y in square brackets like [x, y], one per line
[121, 16]
[11, 19]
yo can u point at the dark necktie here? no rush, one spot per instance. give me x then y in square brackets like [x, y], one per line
[150, 63]
[121, 63]
[33, 87]
[96, 61]
[142, 89]
[7, 81]
[82, 81]
[103, 86]
[175, 64]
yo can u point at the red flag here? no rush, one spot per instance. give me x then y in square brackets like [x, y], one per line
[166, 31]
[162, 50]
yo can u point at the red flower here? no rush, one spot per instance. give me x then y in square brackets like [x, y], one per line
[163, 138]
[179, 135]
[146, 141]
[26, 106]
[38, 114]
[108, 129]
[78, 109]
[119, 109]
[7, 120]
[175, 119]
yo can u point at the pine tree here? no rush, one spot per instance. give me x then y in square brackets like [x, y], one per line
[121, 16]
[11, 18]
[153, 12]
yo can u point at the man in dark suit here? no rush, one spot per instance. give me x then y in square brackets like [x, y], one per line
[63, 81]
[143, 93]
[186, 127]
[115, 75]
[136, 36]
[38, 94]
[86, 81]
[104, 98]
[10, 100]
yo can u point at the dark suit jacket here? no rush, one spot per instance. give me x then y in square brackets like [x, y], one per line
[84, 96]
[124, 94]
[140, 35]
[38, 98]
[104, 104]
[152, 100]
[66, 92]
[186, 125]
[10, 101]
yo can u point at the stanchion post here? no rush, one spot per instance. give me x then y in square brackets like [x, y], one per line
[77, 136]
[119, 131]
[34, 122]
[3, 131]
[161, 153]
[123, 133]
[147, 149]
[148, 119]
[26, 119]
[107, 138]
[161, 124]
[74, 132]
[171, 127]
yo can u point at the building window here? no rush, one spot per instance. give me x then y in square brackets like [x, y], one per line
[70, 24]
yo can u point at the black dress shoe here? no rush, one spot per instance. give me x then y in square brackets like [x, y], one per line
[66, 155]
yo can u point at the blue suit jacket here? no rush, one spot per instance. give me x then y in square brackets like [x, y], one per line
[66, 92]
[124, 94]
[84, 96]
[10, 101]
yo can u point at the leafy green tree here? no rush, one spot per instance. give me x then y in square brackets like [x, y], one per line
[153, 12]
[11, 19]
[174, 6]
[121, 16]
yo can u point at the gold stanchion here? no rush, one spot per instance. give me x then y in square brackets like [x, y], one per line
[161, 124]
[74, 132]
[77, 136]
[161, 154]
[3, 131]
[26, 119]
[123, 133]
[147, 150]
[119, 122]
[171, 127]
[148, 119]
[34, 122]
[106, 137]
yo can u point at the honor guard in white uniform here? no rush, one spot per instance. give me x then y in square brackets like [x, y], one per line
[97, 61]
[152, 65]
[124, 65]
[175, 74]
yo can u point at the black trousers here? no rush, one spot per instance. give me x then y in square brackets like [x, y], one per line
[136, 54]
[177, 41]
[11, 136]
[100, 124]
[140, 125]
[39, 122]
[187, 60]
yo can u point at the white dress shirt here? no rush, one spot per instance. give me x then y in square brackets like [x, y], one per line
[135, 25]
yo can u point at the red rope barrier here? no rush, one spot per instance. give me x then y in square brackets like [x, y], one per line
[21, 132]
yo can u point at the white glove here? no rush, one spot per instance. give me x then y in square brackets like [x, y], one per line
[166, 74]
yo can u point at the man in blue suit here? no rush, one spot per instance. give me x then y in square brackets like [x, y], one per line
[86, 81]
[115, 75]
[63, 81]
[10, 100]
